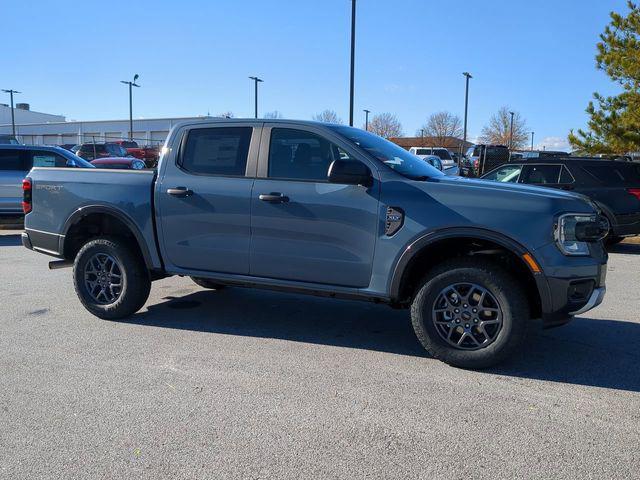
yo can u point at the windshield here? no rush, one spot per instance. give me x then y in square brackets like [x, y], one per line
[115, 149]
[390, 154]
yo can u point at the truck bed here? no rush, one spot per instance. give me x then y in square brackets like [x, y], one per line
[61, 196]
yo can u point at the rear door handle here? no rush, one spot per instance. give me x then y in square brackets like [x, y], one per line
[273, 197]
[180, 192]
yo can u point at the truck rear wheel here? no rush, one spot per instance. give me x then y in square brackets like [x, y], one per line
[110, 279]
[470, 313]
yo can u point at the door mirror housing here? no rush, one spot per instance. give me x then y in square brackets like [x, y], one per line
[349, 172]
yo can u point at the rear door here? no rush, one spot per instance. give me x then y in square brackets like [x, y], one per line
[303, 227]
[203, 198]
[614, 180]
[14, 166]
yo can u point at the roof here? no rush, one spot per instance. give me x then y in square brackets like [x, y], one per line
[446, 142]
[52, 148]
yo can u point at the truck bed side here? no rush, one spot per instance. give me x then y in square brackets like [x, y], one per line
[63, 197]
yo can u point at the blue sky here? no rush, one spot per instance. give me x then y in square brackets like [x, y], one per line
[194, 57]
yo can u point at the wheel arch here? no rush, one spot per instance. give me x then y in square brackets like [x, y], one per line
[433, 248]
[107, 220]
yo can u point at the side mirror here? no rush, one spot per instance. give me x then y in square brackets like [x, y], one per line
[349, 172]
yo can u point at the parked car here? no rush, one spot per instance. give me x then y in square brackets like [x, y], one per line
[613, 185]
[480, 159]
[325, 210]
[119, 163]
[91, 151]
[8, 140]
[442, 153]
[15, 163]
[149, 154]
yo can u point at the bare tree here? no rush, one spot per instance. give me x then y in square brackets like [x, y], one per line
[226, 115]
[385, 125]
[274, 114]
[441, 125]
[498, 131]
[327, 116]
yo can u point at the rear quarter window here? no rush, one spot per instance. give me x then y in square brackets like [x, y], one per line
[615, 174]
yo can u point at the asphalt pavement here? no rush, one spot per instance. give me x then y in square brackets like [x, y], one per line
[254, 384]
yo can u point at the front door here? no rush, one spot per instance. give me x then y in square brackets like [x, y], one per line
[303, 227]
[204, 199]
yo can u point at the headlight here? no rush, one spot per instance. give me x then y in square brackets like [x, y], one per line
[574, 231]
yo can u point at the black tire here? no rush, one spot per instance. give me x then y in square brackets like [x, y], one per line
[506, 291]
[135, 281]
[206, 283]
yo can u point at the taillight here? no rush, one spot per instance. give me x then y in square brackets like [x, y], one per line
[26, 195]
[635, 192]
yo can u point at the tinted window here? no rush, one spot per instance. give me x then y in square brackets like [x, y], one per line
[540, 174]
[423, 151]
[217, 151]
[301, 155]
[498, 152]
[508, 174]
[116, 150]
[130, 145]
[11, 160]
[395, 157]
[442, 153]
[615, 174]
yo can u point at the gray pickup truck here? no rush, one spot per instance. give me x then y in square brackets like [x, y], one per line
[325, 210]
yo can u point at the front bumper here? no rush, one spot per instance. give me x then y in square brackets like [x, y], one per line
[570, 285]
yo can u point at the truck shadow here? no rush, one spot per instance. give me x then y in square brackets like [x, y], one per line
[590, 352]
[625, 247]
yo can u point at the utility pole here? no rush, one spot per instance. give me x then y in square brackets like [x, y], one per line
[255, 86]
[13, 118]
[511, 131]
[131, 85]
[466, 106]
[366, 119]
[422, 137]
[353, 54]
[532, 133]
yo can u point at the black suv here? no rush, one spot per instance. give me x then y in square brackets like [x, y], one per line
[480, 159]
[613, 185]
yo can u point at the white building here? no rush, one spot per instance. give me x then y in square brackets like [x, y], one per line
[23, 114]
[33, 128]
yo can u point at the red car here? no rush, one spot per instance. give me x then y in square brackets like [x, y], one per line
[149, 154]
[126, 163]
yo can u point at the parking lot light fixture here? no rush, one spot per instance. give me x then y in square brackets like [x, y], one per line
[131, 85]
[466, 106]
[256, 80]
[13, 118]
[366, 119]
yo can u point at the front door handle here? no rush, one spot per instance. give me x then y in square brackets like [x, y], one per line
[273, 197]
[180, 192]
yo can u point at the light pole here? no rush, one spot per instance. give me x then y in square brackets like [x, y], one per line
[422, 137]
[13, 118]
[353, 54]
[255, 86]
[532, 133]
[466, 107]
[366, 119]
[511, 131]
[131, 85]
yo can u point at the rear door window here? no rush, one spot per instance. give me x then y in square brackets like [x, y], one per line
[12, 160]
[217, 151]
[541, 174]
[47, 159]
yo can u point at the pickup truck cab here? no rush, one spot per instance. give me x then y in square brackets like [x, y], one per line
[326, 210]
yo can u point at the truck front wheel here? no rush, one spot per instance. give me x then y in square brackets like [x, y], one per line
[470, 313]
[110, 279]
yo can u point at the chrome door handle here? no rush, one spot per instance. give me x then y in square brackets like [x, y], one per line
[273, 197]
[180, 192]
